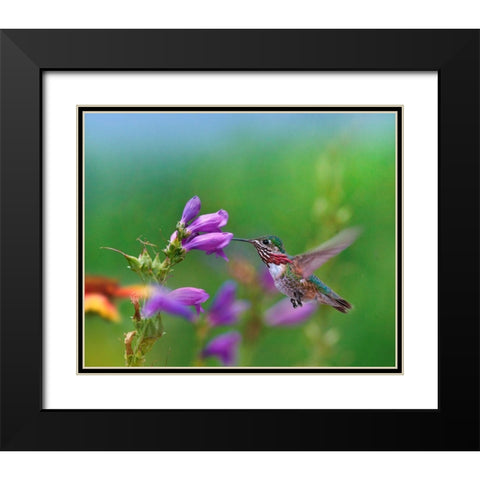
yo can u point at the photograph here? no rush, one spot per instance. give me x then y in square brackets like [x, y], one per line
[239, 239]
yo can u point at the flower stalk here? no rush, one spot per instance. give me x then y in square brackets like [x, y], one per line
[192, 232]
[141, 340]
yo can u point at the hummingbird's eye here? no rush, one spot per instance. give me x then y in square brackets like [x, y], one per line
[266, 241]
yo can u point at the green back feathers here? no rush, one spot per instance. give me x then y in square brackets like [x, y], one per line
[320, 285]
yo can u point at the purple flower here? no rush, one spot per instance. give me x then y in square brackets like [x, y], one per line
[210, 225]
[175, 302]
[224, 347]
[282, 313]
[209, 242]
[211, 222]
[225, 309]
[267, 282]
[191, 210]
[190, 296]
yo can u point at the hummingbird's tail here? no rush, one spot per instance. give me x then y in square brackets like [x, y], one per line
[326, 295]
[335, 301]
[341, 305]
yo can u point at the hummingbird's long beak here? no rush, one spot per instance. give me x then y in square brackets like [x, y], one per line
[242, 240]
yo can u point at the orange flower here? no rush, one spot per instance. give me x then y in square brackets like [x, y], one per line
[101, 291]
[134, 291]
[104, 285]
[100, 304]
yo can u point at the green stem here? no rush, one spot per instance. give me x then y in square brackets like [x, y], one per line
[139, 342]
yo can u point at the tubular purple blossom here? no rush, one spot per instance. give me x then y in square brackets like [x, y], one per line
[282, 313]
[161, 303]
[203, 233]
[209, 243]
[211, 222]
[190, 296]
[224, 347]
[175, 302]
[225, 310]
[191, 210]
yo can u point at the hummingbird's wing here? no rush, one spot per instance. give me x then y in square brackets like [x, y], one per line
[310, 261]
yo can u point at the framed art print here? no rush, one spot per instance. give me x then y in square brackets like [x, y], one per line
[238, 228]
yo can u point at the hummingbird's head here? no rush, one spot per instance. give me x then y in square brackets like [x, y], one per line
[270, 242]
[269, 247]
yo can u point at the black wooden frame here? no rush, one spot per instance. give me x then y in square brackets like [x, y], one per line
[26, 54]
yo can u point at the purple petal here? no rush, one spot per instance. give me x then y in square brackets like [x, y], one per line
[230, 315]
[283, 313]
[162, 302]
[191, 210]
[209, 243]
[224, 309]
[267, 281]
[190, 296]
[219, 253]
[175, 301]
[224, 347]
[225, 297]
[211, 222]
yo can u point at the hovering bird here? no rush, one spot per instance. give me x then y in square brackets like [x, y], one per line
[293, 275]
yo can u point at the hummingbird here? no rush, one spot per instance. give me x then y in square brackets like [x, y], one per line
[293, 275]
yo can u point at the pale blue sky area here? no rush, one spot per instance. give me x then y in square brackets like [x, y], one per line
[153, 133]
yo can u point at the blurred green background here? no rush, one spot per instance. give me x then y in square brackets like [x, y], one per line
[301, 176]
